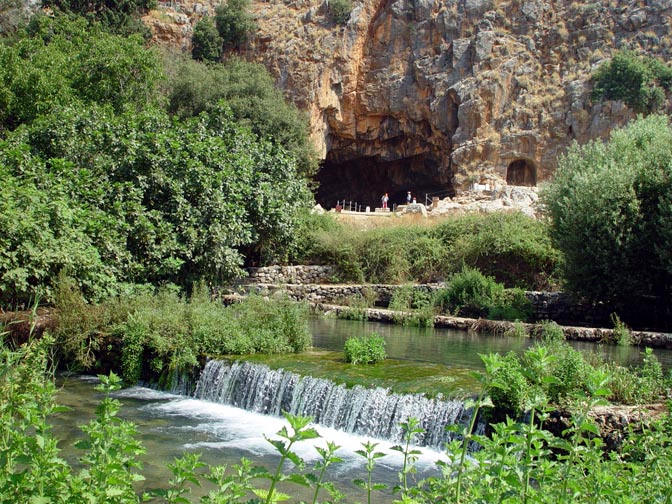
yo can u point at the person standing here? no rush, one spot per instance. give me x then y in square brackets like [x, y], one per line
[408, 198]
[385, 199]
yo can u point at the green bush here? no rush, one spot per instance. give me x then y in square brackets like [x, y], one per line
[251, 95]
[469, 294]
[365, 349]
[412, 306]
[234, 22]
[163, 333]
[340, 10]
[206, 44]
[512, 248]
[637, 80]
[622, 334]
[610, 206]
[551, 331]
[510, 393]
[512, 305]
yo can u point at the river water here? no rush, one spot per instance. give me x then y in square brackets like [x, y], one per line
[171, 425]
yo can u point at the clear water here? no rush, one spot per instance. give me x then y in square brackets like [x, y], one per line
[171, 425]
[454, 348]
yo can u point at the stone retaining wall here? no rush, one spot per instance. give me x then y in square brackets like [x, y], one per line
[312, 284]
[580, 322]
[289, 275]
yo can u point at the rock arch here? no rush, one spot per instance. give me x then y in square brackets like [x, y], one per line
[522, 172]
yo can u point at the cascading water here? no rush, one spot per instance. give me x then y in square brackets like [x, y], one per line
[372, 412]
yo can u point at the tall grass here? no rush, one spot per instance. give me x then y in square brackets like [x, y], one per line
[161, 333]
[512, 248]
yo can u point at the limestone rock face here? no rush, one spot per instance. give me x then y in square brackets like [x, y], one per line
[434, 95]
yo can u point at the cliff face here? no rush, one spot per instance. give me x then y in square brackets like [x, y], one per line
[430, 95]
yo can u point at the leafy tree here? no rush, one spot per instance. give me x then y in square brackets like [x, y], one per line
[611, 210]
[118, 16]
[637, 80]
[234, 22]
[206, 42]
[254, 100]
[66, 62]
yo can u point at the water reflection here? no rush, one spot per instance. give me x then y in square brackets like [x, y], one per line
[452, 347]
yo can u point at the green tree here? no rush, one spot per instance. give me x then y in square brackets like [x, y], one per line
[206, 42]
[234, 22]
[118, 16]
[639, 81]
[611, 211]
[250, 92]
[64, 62]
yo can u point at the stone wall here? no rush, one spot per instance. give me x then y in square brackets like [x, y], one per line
[582, 321]
[289, 275]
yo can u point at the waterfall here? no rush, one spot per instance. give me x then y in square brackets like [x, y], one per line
[374, 412]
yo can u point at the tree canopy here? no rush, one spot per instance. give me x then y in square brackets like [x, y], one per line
[101, 181]
[611, 211]
[639, 81]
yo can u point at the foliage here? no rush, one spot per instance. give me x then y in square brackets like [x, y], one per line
[206, 44]
[511, 392]
[551, 331]
[639, 81]
[234, 22]
[357, 305]
[340, 10]
[66, 62]
[622, 334]
[161, 334]
[512, 304]
[413, 307]
[30, 467]
[516, 462]
[139, 214]
[365, 349]
[469, 294]
[611, 214]
[514, 249]
[250, 93]
[565, 375]
[118, 16]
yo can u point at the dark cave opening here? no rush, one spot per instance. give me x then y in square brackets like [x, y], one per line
[364, 181]
[521, 172]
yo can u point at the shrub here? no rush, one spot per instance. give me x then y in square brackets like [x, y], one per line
[610, 206]
[512, 248]
[509, 395]
[365, 349]
[412, 306]
[636, 80]
[469, 294]
[206, 42]
[513, 305]
[340, 10]
[251, 95]
[234, 22]
[622, 335]
[569, 371]
[551, 331]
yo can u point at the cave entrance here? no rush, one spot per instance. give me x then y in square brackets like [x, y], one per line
[521, 172]
[364, 181]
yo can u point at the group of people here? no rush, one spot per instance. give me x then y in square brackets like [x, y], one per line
[409, 199]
